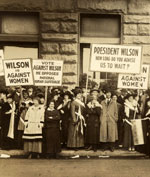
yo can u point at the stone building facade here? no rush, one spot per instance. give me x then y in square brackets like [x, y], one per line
[59, 27]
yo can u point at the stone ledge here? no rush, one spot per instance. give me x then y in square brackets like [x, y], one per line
[68, 49]
[139, 7]
[69, 153]
[136, 19]
[60, 37]
[144, 29]
[103, 5]
[130, 29]
[50, 47]
[60, 16]
[50, 27]
[69, 27]
[136, 39]
[70, 59]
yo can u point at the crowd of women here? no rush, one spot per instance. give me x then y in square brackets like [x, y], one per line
[99, 119]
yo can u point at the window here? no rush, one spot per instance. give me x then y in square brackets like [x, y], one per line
[102, 29]
[19, 35]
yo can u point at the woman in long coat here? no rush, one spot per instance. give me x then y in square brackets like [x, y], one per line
[65, 115]
[108, 121]
[77, 122]
[52, 130]
[34, 121]
[93, 123]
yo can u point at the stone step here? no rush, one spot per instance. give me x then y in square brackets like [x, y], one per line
[82, 153]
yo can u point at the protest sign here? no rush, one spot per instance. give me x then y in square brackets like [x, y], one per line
[134, 81]
[1, 63]
[47, 72]
[18, 72]
[115, 58]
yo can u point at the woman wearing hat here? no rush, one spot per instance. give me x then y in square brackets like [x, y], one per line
[65, 115]
[34, 120]
[52, 131]
[93, 123]
[129, 109]
[7, 110]
[76, 122]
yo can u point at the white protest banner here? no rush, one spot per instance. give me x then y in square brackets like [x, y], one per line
[115, 58]
[134, 81]
[47, 72]
[1, 62]
[18, 72]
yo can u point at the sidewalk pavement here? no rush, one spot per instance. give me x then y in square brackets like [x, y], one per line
[82, 153]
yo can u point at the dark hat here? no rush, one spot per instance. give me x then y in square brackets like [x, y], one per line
[67, 93]
[9, 96]
[40, 95]
[108, 90]
[54, 93]
[4, 92]
[128, 96]
[94, 90]
[77, 91]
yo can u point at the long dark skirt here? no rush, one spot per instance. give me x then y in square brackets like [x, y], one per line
[128, 138]
[92, 134]
[52, 138]
[64, 131]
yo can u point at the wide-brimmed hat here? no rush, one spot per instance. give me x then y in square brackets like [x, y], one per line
[67, 93]
[94, 90]
[77, 91]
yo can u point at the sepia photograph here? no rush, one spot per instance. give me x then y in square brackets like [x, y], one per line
[74, 88]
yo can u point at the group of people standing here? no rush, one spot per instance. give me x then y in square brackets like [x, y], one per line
[70, 119]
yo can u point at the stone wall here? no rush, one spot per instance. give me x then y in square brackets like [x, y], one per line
[59, 41]
[59, 37]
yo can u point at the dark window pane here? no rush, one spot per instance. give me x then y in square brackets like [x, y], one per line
[100, 26]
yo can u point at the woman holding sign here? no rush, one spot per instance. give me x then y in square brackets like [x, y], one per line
[34, 120]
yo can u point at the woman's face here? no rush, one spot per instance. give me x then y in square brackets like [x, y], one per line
[148, 104]
[66, 97]
[9, 100]
[42, 100]
[79, 96]
[25, 95]
[51, 105]
[114, 98]
[35, 102]
[130, 99]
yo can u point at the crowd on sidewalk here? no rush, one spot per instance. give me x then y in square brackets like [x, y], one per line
[73, 119]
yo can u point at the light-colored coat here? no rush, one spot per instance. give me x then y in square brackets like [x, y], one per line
[108, 122]
[34, 120]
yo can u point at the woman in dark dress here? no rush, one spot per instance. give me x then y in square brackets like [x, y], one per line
[146, 129]
[52, 130]
[6, 116]
[65, 114]
[93, 124]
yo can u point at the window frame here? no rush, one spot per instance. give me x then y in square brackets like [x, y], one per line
[100, 40]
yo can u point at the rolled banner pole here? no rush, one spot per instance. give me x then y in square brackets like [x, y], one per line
[12, 122]
[46, 95]
[87, 81]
